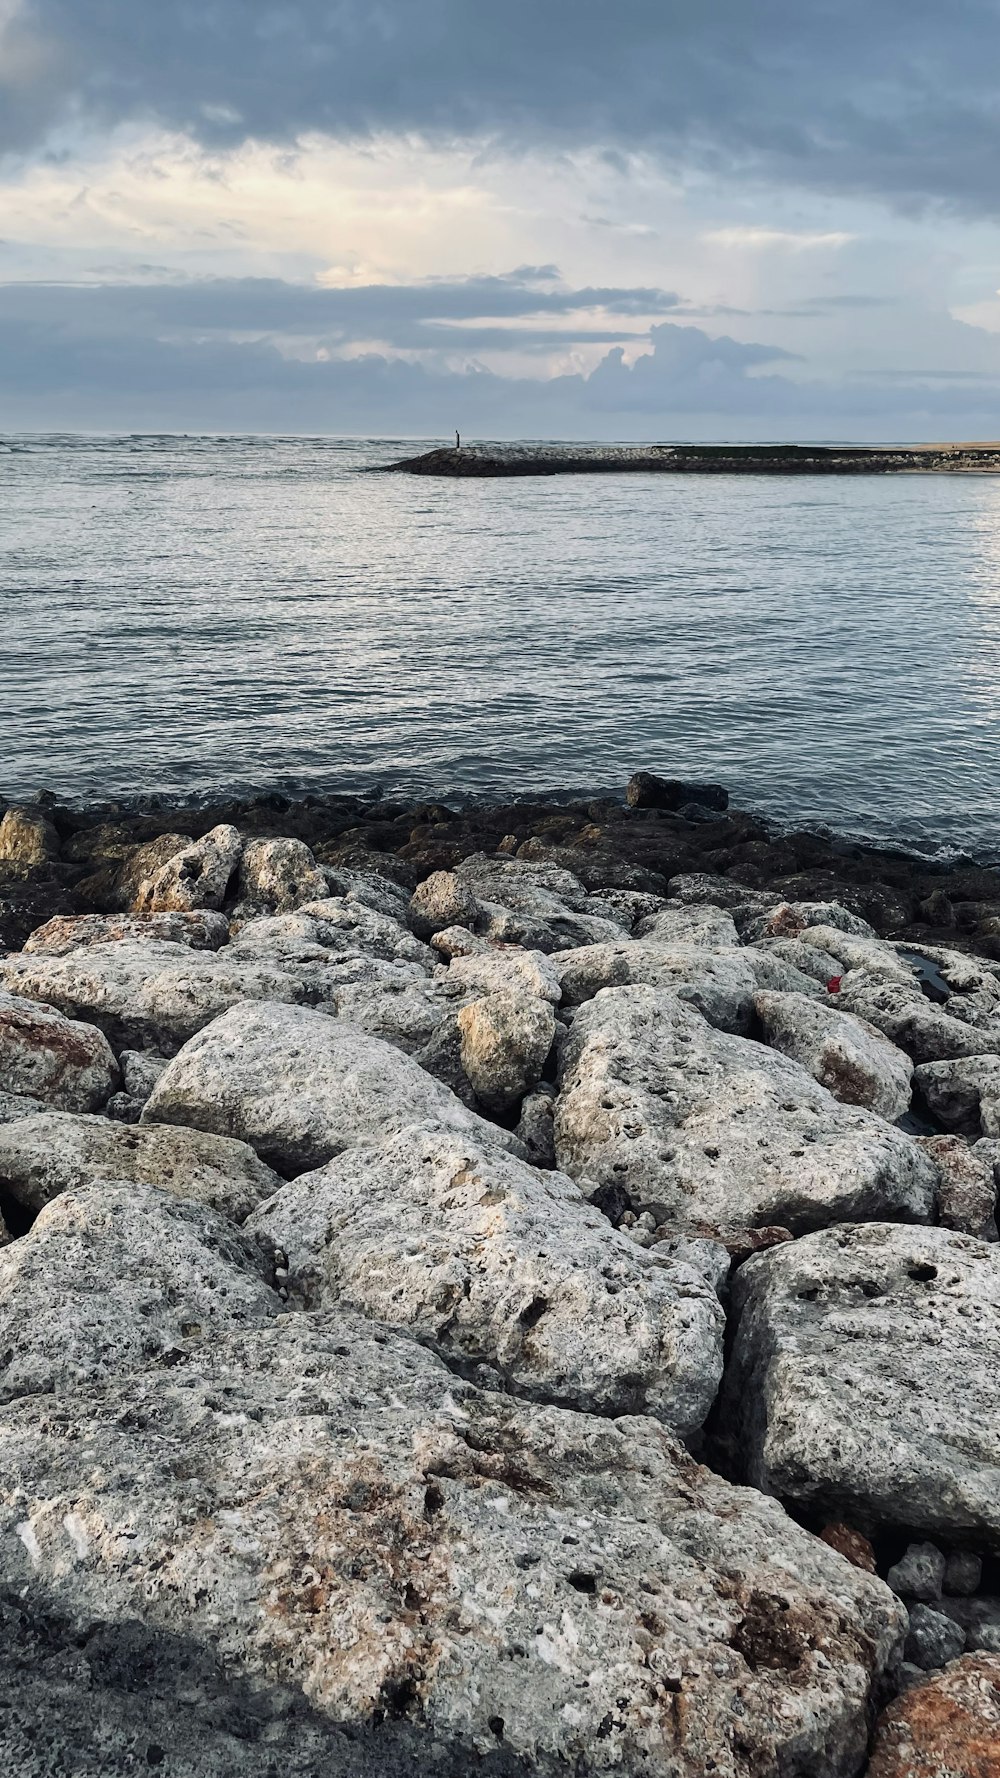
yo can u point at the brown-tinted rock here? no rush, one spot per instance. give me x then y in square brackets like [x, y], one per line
[967, 1193]
[28, 842]
[948, 1727]
[851, 1544]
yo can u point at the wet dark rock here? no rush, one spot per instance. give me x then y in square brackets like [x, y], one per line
[646, 791]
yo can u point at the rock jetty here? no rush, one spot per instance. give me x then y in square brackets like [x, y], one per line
[687, 459]
[509, 1291]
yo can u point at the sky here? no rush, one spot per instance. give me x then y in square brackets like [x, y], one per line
[741, 219]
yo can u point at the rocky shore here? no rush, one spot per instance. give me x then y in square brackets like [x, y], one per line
[663, 459]
[505, 1290]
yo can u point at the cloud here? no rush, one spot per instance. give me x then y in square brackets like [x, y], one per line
[63, 367]
[768, 238]
[895, 99]
[433, 314]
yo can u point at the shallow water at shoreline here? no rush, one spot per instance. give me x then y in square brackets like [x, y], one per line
[191, 615]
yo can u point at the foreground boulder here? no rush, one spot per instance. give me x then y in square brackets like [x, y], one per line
[505, 1039]
[324, 1506]
[700, 1127]
[42, 1156]
[496, 1265]
[865, 1378]
[57, 1060]
[300, 1087]
[113, 1277]
[850, 1058]
[945, 1727]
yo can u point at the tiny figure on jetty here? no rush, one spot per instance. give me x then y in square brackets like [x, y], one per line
[458, 442]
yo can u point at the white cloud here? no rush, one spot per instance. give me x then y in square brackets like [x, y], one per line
[759, 239]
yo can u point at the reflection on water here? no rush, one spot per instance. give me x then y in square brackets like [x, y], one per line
[184, 615]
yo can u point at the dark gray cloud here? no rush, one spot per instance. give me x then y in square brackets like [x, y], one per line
[896, 98]
[59, 369]
[473, 314]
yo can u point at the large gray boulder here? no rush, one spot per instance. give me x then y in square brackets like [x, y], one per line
[505, 1040]
[507, 968]
[494, 1264]
[676, 923]
[706, 1128]
[279, 874]
[324, 1507]
[964, 1094]
[201, 930]
[928, 1032]
[151, 996]
[300, 1087]
[540, 906]
[847, 1056]
[60, 1061]
[865, 1378]
[117, 1276]
[720, 984]
[54, 1152]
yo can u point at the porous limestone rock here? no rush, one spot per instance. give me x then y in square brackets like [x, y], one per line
[745, 905]
[56, 1151]
[703, 1127]
[494, 1264]
[865, 1378]
[440, 901]
[948, 1726]
[534, 1126]
[196, 877]
[720, 984]
[927, 1032]
[963, 1094]
[697, 924]
[808, 959]
[279, 874]
[851, 1058]
[919, 1573]
[505, 1039]
[200, 930]
[153, 995]
[300, 1087]
[325, 1507]
[967, 1193]
[28, 841]
[346, 924]
[775, 972]
[539, 906]
[16, 1105]
[847, 951]
[790, 919]
[508, 967]
[112, 1277]
[58, 1060]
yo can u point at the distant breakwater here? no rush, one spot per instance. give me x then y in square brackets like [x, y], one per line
[553, 459]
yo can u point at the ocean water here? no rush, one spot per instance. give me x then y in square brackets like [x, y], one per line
[186, 615]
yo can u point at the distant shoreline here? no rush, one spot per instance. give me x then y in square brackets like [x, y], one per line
[665, 459]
